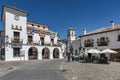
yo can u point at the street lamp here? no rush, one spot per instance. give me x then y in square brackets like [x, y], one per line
[80, 48]
[6, 39]
[71, 50]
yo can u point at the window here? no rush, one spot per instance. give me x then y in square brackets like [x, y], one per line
[103, 41]
[16, 38]
[52, 41]
[42, 41]
[88, 43]
[16, 35]
[30, 39]
[16, 52]
[72, 32]
[118, 37]
[102, 38]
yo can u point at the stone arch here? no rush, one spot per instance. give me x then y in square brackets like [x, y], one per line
[33, 53]
[56, 53]
[45, 53]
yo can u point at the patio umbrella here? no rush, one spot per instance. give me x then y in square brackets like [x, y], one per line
[108, 51]
[93, 51]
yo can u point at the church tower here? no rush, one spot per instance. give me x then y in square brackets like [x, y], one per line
[71, 34]
[70, 37]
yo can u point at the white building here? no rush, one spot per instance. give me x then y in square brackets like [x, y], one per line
[23, 40]
[103, 38]
[70, 38]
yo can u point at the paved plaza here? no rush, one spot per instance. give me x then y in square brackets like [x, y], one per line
[34, 70]
[90, 71]
[9, 66]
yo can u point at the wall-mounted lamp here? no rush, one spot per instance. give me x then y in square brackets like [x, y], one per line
[7, 38]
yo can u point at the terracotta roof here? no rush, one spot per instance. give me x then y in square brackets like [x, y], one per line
[36, 24]
[103, 30]
[39, 30]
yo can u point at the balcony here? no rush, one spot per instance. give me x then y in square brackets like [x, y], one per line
[32, 43]
[14, 40]
[16, 43]
[102, 43]
[88, 44]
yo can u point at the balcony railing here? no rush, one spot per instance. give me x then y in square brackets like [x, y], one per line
[88, 44]
[32, 43]
[14, 40]
[16, 43]
[102, 43]
[42, 43]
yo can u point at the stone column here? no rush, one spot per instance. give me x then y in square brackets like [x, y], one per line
[26, 55]
[51, 55]
[60, 55]
[39, 55]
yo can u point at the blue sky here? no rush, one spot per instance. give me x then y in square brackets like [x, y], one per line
[60, 15]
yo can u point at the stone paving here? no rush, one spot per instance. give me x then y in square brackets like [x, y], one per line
[90, 71]
[7, 66]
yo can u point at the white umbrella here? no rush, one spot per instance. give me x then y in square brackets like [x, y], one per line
[94, 51]
[108, 51]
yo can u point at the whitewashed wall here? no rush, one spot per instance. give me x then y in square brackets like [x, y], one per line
[113, 43]
[76, 45]
[26, 48]
[47, 39]
[36, 38]
[56, 40]
[11, 21]
[112, 36]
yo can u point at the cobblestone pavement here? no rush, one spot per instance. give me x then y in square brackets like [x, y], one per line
[90, 71]
[7, 66]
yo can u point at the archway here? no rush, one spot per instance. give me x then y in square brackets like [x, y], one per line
[45, 53]
[56, 53]
[33, 53]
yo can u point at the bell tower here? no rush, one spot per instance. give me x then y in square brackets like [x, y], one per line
[71, 34]
[70, 37]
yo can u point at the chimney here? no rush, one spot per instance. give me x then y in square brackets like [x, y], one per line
[112, 23]
[84, 31]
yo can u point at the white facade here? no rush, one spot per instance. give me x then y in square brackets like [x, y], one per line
[100, 39]
[71, 35]
[112, 36]
[27, 40]
[76, 45]
[70, 38]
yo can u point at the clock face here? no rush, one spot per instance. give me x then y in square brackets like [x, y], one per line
[16, 18]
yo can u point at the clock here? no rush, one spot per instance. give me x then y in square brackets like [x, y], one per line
[16, 18]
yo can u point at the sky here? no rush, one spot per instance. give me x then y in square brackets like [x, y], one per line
[60, 15]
